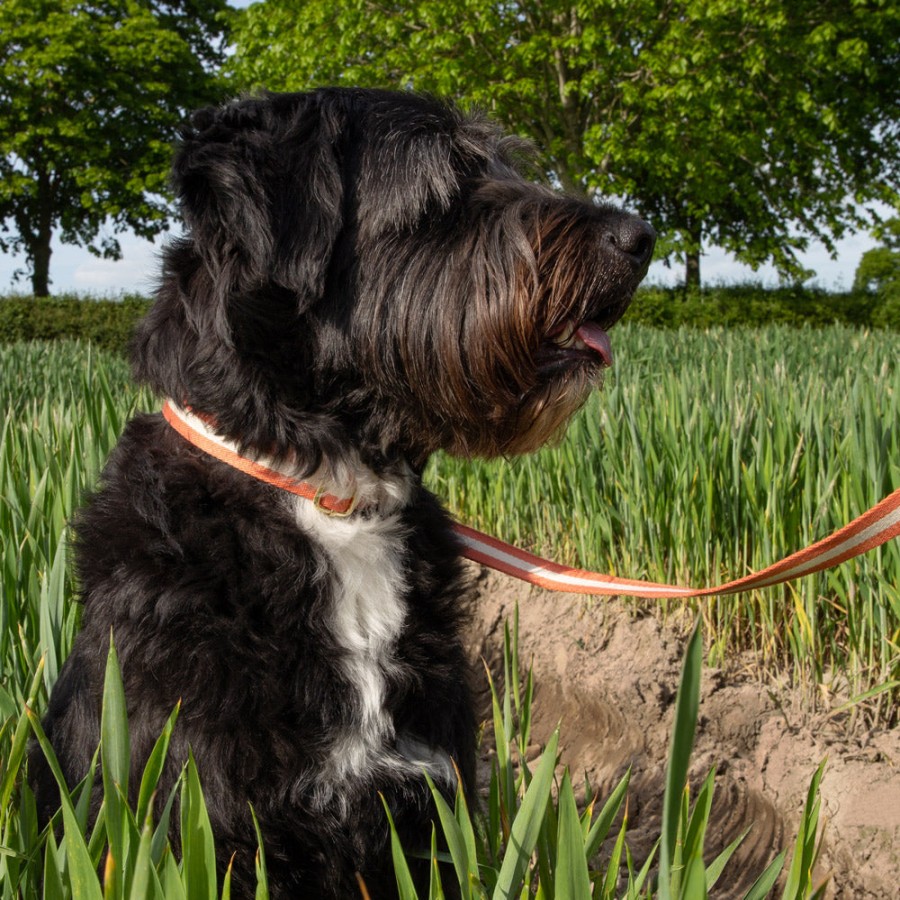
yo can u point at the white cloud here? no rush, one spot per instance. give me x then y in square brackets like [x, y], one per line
[134, 273]
[74, 270]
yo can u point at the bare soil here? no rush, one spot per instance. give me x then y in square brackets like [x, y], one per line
[609, 676]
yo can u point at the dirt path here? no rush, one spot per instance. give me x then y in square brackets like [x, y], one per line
[611, 677]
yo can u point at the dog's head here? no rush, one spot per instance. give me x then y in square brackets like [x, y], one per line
[371, 269]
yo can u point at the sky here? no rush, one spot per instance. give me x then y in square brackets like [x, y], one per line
[73, 269]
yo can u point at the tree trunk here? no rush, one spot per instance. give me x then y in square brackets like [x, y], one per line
[692, 255]
[39, 239]
[40, 273]
[692, 270]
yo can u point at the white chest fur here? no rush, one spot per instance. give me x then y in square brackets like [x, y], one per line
[364, 559]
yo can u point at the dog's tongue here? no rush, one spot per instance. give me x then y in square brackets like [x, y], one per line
[597, 339]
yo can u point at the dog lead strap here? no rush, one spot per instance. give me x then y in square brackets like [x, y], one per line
[872, 529]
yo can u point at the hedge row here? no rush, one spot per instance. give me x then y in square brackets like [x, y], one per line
[753, 305]
[105, 323]
[108, 323]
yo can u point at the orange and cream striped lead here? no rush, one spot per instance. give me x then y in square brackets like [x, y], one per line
[875, 527]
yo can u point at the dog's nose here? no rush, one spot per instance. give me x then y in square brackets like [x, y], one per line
[633, 238]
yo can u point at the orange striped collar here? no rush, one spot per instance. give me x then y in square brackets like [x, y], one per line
[197, 430]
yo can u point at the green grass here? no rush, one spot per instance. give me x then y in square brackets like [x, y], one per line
[525, 843]
[712, 454]
[708, 455]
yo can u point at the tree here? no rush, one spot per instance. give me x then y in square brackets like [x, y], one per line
[879, 268]
[879, 272]
[752, 124]
[91, 94]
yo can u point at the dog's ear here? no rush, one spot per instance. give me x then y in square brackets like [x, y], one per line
[260, 190]
[411, 165]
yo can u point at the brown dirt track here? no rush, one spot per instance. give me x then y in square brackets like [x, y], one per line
[610, 675]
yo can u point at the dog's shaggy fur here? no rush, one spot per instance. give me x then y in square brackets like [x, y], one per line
[365, 278]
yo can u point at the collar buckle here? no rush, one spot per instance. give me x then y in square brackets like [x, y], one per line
[341, 512]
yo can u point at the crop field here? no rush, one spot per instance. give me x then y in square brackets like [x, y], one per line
[707, 455]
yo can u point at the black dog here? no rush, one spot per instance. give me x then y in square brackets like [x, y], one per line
[366, 277]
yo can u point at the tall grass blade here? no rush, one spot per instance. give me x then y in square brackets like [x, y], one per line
[53, 883]
[405, 886]
[81, 866]
[693, 883]
[717, 866]
[766, 881]
[172, 885]
[52, 614]
[467, 830]
[154, 766]
[695, 833]
[115, 756]
[600, 828]
[159, 844]
[527, 824]
[682, 743]
[806, 849]
[81, 870]
[197, 846]
[262, 875]
[11, 766]
[145, 882]
[572, 881]
[637, 883]
[456, 843]
[611, 879]
[226, 881]
[435, 888]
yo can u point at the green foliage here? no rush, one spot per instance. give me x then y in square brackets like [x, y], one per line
[108, 324]
[90, 98]
[879, 270]
[745, 124]
[879, 273]
[119, 853]
[756, 306]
